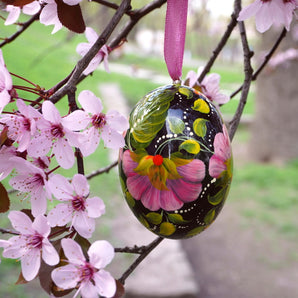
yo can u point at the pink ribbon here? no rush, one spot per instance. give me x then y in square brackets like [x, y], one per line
[175, 36]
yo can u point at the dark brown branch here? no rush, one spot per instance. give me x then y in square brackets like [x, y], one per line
[266, 60]
[135, 264]
[248, 71]
[132, 250]
[24, 26]
[220, 46]
[6, 231]
[111, 5]
[103, 170]
[84, 62]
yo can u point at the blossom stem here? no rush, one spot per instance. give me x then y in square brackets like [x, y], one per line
[102, 170]
[51, 171]
[144, 254]
[17, 76]
[6, 231]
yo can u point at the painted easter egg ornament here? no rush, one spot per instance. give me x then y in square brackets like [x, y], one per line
[176, 167]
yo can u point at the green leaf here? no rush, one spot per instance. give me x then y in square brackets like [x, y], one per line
[190, 146]
[209, 217]
[154, 218]
[200, 127]
[176, 125]
[177, 218]
[201, 105]
[4, 199]
[195, 231]
[216, 199]
[130, 200]
[186, 91]
[167, 229]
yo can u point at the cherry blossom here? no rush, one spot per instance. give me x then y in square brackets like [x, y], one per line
[89, 275]
[108, 126]
[53, 135]
[49, 16]
[15, 11]
[102, 54]
[31, 181]
[31, 244]
[6, 163]
[22, 125]
[5, 84]
[209, 86]
[76, 206]
[269, 12]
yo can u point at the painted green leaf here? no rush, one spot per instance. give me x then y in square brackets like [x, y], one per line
[167, 229]
[200, 127]
[176, 125]
[144, 221]
[195, 231]
[201, 105]
[191, 146]
[185, 91]
[209, 217]
[130, 200]
[177, 218]
[154, 218]
[216, 199]
[4, 199]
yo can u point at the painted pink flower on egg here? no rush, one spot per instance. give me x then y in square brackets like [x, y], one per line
[222, 159]
[161, 182]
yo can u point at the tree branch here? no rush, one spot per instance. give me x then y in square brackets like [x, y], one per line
[266, 60]
[101, 171]
[84, 62]
[221, 44]
[6, 231]
[145, 253]
[248, 71]
[24, 26]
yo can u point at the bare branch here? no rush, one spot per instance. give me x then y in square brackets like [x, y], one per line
[24, 26]
[101, 171]
[266, 60]
[220, 46]
[248, 71]
[144, 254]
[6, 231]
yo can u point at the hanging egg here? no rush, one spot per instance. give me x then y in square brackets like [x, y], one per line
[176, 167]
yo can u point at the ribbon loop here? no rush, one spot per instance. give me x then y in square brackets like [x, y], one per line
[174, 41]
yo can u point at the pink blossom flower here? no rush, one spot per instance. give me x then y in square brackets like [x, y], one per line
[102, 54]
[269, 12]
[89, 275]
[49, 16]
[222, 159]
[22, 125]
[160, 182]
[31, 181]
[15, 11]
[6, 163]
[209, 86]
[53, 134]
[5, 84]
[31, 244]
[76, 206]
[108, 126]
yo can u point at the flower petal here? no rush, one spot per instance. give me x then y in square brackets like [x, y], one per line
[80, 185]
[95, 207]
[63, 153]
[66, 277]
[77, 120]
[193, 171]
[49, 253]
[83, 224]
[50, 112]
[90, 102]
[112, 139]
[105, 283]
[60, 215]
[73, 251]
[117, 121]
[30, 264]
[88, 290]
[60, 187]
[101, 253]
[21, 222]
[41, 225]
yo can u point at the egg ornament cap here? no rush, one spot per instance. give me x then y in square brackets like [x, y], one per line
[176, 167]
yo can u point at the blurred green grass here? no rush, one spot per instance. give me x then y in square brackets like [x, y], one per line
[266, 194]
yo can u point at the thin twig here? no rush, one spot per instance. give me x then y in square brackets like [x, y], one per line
[266, 60]
[132, 250]
[7, 231]
[102, 170]
[220, 46]
[24, 26]
[84, 62]
[135, 264]
[110, 5]
[248, 71]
